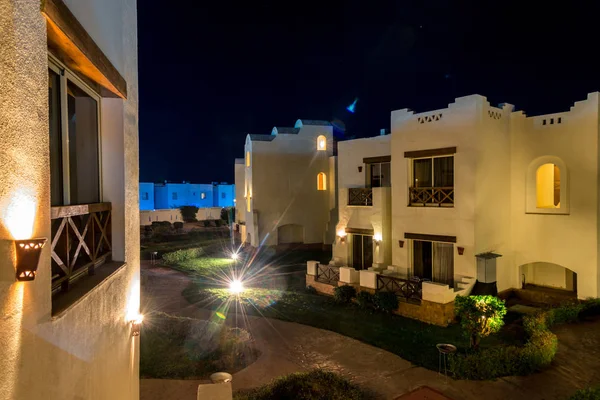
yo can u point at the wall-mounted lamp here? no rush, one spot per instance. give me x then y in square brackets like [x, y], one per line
[28, 256]
[342, 235]
[401, 243]
[360, 168]
[377, 239]
[136, 325]
[461, 250]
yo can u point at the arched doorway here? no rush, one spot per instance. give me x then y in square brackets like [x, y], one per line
[290, 234]
[548, 275]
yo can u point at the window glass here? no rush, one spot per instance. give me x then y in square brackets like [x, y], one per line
[379, 174]
[84, 171]
[548, 186]
[174, 195]
[321, 143]
[422, 172]
[321, 181]
[202, 196]
[145, 196]
[56, 172]
[443, 168]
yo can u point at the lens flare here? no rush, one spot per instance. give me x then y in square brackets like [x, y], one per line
[220, 315]
[352, 107]
[236, 286]
[234, 256]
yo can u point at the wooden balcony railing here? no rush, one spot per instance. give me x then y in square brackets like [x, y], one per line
[440, 196]
[327, 274]
[81, 241]
[407, 290]
[360, 197]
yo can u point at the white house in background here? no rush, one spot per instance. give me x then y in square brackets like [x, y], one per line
[69, 175]
[288, 185]
[175, 195]
[146, 196]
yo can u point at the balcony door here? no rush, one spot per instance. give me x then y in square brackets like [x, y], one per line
[433, 261]
[361, 251]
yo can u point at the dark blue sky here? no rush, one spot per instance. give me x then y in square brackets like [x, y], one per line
[210, 73]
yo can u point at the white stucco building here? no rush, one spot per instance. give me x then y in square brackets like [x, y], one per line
[69, 175]
[287, 183]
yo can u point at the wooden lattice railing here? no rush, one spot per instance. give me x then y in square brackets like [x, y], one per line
[406, 290]
[360, 197]
[327, 274]
[81, 241]
[432, 195]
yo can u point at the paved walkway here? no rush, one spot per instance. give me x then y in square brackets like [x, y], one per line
[289, 347]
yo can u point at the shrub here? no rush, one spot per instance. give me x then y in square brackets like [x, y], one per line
[385, 301]
[206, 222]
[479, 316]
[227, 214]
[220, 222]
[586, 394]
[344, 294]
[182, 255]
[188, 213]
[364, 300]
[311, 289]
[178, 225]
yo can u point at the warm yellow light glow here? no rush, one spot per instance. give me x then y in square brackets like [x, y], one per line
[321, 181]
[19, 213]
[341, 233]
[377, 237]
[322, 143]
[247, 159]
[133, 303]
[547, 184]
[236, 286]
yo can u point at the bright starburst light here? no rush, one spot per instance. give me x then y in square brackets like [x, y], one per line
[236, 286]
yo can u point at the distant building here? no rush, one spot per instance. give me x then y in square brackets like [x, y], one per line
[146, 196]
[223, 195]
[167, 195]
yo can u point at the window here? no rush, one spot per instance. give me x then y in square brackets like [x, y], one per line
[223, 195]
[378, 174]
[202, 195]
[432, 181]
[145, 196]
[321, 143]
[74, 139]
[248, 203]
[547, 182]
[174, 195]
[433, 261]
[247, 159]
[321, 181]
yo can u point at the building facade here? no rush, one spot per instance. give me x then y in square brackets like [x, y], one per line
[288, 180]
[69, 175]
[175, 195]
[146, 196]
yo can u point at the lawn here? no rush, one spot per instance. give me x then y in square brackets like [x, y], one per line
[162, 243]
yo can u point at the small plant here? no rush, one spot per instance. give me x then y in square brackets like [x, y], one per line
[344, 294]
[188, 213]
[479, 316]
[182, 255]
[586, 394]
[311, 290]
[178, 225]
[364, 300]
[385, 301]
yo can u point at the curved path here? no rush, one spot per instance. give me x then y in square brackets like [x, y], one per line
[289, 347]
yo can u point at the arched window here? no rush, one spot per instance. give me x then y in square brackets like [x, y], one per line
[322, 143]
[321, 181]
[547, 186]
[247, 159]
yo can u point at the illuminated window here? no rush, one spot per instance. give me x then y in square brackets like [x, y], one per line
[202, 195]
[247, 159]
[248, 200]
[321, 181]
[547, 185]
[321, 143]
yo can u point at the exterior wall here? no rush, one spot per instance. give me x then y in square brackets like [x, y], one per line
[282, 184]
[188, 194]
[224, 195]
[174, 215]
[146, 189]
[87, 352]
[193, 195]
[240, 209]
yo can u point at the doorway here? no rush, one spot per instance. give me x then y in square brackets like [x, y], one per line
[361, 251]
[433, 261]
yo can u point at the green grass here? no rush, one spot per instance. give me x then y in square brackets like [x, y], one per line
[586, 394]
[411, 339]
[206, 266]
[313, 385]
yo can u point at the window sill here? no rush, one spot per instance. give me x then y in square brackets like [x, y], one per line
[64, 302]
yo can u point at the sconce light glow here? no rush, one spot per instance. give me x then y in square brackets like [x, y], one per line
[136, 325]
[377, 237]
[341, 233]
[236, 286]
[19, 214]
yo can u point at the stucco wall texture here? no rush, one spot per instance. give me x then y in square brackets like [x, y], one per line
[88, 352]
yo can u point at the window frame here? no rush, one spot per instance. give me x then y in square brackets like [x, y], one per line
[65, 75]
[412, 169]
[531, 187]
[412, 180]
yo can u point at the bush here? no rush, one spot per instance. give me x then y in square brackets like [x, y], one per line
[188, 213]
[178, 225]
[311, 290]
[364, 300]
[313, 385]
[586, 394]
[220, 222]
[227, 214]
[344, 294]
[385, 301]
[182, 255]
[479, 316]
[206, 223]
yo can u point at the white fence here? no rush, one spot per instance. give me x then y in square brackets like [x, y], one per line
[174, 215]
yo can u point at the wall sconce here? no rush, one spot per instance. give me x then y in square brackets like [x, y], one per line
[342, 235]
[461, 250]
[401, 243]
[377, 239]
[28, 256]
[360, 168]
[136, 325]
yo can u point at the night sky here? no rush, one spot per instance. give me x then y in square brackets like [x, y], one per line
[210, 73]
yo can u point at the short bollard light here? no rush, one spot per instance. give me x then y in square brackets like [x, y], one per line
[28, 257]
[136, 325]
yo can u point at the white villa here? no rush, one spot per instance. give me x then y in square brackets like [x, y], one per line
[69, 210]
[469, 193]
[285, 186]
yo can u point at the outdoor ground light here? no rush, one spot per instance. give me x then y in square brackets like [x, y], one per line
[236, 286]
[234, 256]
[28, 256]
[136, 325]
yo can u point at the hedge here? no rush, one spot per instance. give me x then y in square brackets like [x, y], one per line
[182, 255]
[537, 353]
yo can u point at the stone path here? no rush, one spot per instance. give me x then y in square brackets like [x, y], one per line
[289, 347]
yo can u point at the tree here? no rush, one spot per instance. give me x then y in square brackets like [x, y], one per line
[188, 213]
[479, 316]
[228, 214]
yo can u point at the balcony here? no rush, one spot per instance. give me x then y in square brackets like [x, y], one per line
[81, 241]
[406, 290]
[431, 196]
[360, 197]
